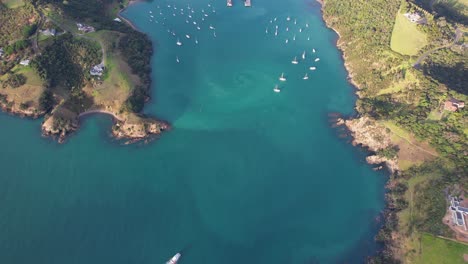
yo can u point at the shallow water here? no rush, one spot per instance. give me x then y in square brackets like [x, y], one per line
[246, 175]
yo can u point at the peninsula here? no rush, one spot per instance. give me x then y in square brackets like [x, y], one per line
[407, 60]
[63, 60]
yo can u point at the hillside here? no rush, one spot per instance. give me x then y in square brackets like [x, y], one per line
[408, 61]
[69, 59]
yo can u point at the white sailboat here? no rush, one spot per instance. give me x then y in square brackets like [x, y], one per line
[266, 30]
[276, 32]
[308, 38]
[275, 19]
[198, 28]
[294, 61]
[286, 41]
[305, 77]
[196, 41]
[317, 59]
[177, 59]
[178, 42]
[303, 55]
[187, 36]
[288, 18]
[294, 37]
[313, 50]
[211, 27]
[307, 24]
[312, 68]
[295, 22]
[214, 34]
[282, 78]
[276, 89]
[300, 30]
[287, 29]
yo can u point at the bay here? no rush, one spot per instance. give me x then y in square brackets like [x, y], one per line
[246, 175]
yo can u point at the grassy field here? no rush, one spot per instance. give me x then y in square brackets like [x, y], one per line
[12, 3]
[29, 92]
[440, 251]
[117, 82]
[406, 38]
[412, 151]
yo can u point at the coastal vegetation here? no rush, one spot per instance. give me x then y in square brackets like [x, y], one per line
[67, 87]
[406, 73]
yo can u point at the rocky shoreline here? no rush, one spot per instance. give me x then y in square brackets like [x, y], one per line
[366, 133]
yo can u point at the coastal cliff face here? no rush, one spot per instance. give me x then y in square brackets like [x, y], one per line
[104, 69]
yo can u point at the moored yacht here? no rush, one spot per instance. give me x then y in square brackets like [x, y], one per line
[187, 36]
[305, 77]
[276, 89]
[313, 50]
[282, 78]
[312, 68]
[178, 43]
[317, 59]
[177, 59]
[303, 55]
[294, 61]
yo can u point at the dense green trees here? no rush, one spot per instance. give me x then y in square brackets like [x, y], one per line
[66, 62]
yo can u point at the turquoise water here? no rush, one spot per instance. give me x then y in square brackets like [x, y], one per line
[246, 175]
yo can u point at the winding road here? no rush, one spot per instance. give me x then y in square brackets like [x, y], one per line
[458, 35]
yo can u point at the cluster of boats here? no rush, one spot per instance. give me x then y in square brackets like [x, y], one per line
[292, 28]
[198, 19]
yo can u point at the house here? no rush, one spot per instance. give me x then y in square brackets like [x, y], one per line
[49, 32]
[1, 52]
[415, 18]
[85, 28]
[459, 210]
[25, 62]
[97, 70]
[117, 19]
[453, 105]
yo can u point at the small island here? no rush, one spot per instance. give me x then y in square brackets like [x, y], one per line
[64, 60]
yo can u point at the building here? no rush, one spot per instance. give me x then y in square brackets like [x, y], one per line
[459, 212]
[85, 28]
[117, 19]
[453, 105]
[415, 18]
[97, 70]
[49, 32]
[25, 62]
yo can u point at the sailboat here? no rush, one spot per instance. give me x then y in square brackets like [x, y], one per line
[288, 18]
[177, 59]
[276, 89]
[303, 55]
[266, 31]
[198, 28]
[178, 43]
[276, 32]
[300, 30]
[211, 27]
[305, 77]
[313, 50]
[286, 41]
[214, 34]
[317, 59]
[282, 78]
[295, 22]
[294, 61]
[196, 41]
[312, 68]
[308, 38]
[294, 37]
[287, 29]
[187, 36]
[307, 24]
